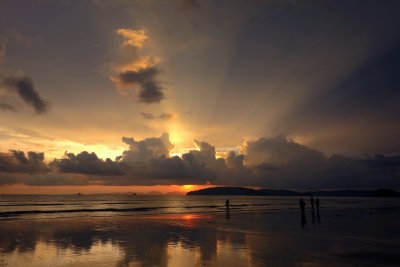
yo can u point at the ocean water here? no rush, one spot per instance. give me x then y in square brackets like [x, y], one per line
[55, 206]
[128, 230]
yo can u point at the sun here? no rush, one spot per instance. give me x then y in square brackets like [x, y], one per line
[187, 187]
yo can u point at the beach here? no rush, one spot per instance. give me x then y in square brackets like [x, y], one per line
[353, 236]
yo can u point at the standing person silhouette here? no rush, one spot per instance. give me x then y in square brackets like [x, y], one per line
[227, 208]
[317, 204]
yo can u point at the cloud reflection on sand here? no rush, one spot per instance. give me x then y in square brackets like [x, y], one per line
[151, 240]
[275, 239]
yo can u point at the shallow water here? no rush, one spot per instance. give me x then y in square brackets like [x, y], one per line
[53, 206]
[347, 232]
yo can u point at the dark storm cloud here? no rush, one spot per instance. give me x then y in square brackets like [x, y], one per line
[281, 163]
[18, 162]
[138, 77]
[7, 107]
[26, 91]
[279, 150]
[275, 162]
[86, 163]
[150, 91]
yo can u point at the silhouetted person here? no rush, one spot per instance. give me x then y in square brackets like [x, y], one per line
[227, 204]
[312, 202]
[317, 204]
[227, 208]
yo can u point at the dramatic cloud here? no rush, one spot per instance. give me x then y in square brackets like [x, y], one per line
[281, 163]
[140, 73]
[7, 107]
[275, 162]
[18, 162]
[86, 163]
[279, 151]
[26, 91]
[146, 149]
[149, 90]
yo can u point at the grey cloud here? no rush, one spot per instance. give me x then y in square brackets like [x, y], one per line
[275, 162]
[146, 149]
[147, 116]
[150, 90]
[143, 80]
[234, 161]
[137, 77]
[87, 163]
[25, 89]
[166, 116]
[162, 116]
[17, 161]
[7, 107]
[278, 162]
[279, 150]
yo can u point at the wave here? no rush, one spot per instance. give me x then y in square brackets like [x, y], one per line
[36, 204]
[27, 212]
[121, 210]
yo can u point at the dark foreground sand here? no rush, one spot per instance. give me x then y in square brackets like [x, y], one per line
[354, 237]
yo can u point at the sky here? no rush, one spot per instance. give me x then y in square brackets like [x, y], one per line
[170, 96]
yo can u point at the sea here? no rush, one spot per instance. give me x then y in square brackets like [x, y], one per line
[103, 205]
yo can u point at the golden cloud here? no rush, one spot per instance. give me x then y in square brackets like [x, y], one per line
[135, 38]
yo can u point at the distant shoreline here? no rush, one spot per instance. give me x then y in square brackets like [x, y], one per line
[243, 191]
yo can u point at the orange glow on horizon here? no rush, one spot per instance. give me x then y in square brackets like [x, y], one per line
[101, 189]
[188, 187]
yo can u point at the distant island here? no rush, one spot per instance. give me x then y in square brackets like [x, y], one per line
[243, 191]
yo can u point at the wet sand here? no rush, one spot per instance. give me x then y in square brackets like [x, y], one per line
[352, 237]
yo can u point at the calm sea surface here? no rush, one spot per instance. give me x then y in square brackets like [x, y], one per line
[53, 206]
[129, 230]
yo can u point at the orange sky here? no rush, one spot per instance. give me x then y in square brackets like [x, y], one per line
[95, 189]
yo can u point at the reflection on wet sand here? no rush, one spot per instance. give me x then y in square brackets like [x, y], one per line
[175, 240]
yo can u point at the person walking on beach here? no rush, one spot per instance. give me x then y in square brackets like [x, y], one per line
[317, 204]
